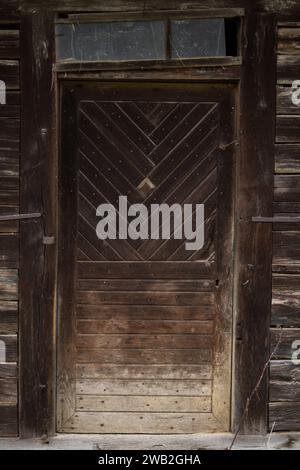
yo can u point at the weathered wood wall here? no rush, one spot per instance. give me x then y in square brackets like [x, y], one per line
[284, 391]
[9, 230]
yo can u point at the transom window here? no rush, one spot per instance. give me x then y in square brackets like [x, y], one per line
[141, 40]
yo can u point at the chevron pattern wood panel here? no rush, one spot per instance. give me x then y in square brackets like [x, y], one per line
[145, 309]
[158, 153]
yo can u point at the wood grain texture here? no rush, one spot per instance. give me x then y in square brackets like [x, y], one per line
[146, 423]
[9, 44]
[38, 194]
[146, 387]
[9, 72]
[287, 158]
[286, 300]
[138, 371]
[8, 317]
[145, 306]
[283, 339]
[287, 128]
[285, 415]
[288, 41]
[8, 391]
[143, 404]
[284, 381]
[8, 285]
[255, 196]
[8, 420]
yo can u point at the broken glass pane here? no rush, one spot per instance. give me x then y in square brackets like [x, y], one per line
[198, 38]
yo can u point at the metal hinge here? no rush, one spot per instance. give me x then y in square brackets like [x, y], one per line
[34, 215]
[277, 219]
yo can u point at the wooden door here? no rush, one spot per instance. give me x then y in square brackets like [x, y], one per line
[145, 325]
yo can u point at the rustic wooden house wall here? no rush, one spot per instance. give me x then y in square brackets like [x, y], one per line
[284, 390]
[9, 230]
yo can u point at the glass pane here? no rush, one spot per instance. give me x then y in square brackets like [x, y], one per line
[198, 38]
[135, 40]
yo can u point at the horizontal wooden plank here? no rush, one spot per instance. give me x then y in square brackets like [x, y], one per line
[129, 341]
[145, 285]
[9, 162]
[10, 347]
[288, 41]
[144, 327]
[8, 420]
[8, 195]
[145, 270]
[191, 74]
[9, 251]
[144, 356]
[283, 339]
[286, 300]
[136, 371]
[288, 68]
[285, 415]
[284, 103]
[12, 100]
[8, 317]
[289, 222]
[286, 247]
[145, 298]
[144, 387]
[287, 128]
[9, 130]
[284, 381]
[10, 111]
[9, 226]
[8, 370]
[287, 158]
[145, 312]
[8, 284]
[9, 73]
[8, 390]
[286, 268]
[286, 207]
[155, 14]
[9, 44]
[143, 404]
[150, 7]
[146, 423]
[10, 11]
[9, 183]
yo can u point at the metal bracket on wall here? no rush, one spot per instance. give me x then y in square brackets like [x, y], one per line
[34, 215]
[278, 219]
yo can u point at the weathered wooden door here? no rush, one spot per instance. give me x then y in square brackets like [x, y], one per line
[145, 325]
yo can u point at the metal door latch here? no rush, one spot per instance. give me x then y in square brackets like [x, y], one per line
[277, 219]
[33, 215]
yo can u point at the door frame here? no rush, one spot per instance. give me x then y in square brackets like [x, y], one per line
[38, 192]
[226, 95]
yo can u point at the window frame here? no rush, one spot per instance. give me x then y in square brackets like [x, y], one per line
[167, 17]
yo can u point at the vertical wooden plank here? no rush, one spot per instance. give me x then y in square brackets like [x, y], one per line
[67, 257]
[221, 397]
[38, 194]
[254, 241]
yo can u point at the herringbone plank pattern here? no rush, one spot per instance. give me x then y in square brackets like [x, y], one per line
[151, 152]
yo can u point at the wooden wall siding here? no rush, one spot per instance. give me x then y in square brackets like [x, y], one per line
[9, 230]
[284, 393]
